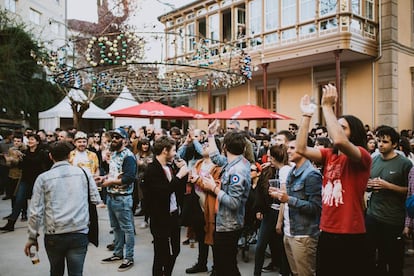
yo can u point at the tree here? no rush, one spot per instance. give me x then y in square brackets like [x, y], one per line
[20, 76]
[110, 21]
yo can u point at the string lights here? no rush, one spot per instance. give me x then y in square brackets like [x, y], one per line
[112, 61]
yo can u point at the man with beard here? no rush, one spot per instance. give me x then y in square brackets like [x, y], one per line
[162, 192]
[82, 157]
[120, 185]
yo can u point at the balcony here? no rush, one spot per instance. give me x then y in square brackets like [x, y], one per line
[309, 43]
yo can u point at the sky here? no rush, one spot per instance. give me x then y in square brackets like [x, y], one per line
[151, 9]
[145, 18]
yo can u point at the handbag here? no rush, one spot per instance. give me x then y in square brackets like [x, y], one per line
[192, 214]
[93, 234]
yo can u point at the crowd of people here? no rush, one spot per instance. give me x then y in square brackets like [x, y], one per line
[328, 200]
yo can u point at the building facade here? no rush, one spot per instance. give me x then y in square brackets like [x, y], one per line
[365, 47]
[45, 19]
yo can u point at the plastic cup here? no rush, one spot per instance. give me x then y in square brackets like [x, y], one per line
[34, 257]
[274, 183]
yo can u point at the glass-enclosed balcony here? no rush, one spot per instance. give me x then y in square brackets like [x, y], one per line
[272, 30]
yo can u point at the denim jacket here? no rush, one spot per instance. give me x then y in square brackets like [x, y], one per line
[60, 201]
[235, 187]
[122, 163]
[304, 190]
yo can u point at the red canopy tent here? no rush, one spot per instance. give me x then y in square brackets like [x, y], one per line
[151, 110]
[196, 113]
[247, 112]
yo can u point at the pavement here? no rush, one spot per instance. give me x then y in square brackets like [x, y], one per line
[13, 262]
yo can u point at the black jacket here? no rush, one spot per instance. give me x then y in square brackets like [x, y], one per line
[157, 191]
[263, 200]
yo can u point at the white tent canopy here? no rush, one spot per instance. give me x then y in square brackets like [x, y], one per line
[50, 119]
[124, 100]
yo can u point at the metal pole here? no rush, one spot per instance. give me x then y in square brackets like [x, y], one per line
[338, 107]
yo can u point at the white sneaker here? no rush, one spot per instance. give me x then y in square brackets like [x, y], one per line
[143, 225]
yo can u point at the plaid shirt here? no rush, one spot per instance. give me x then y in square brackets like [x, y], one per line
[409, 222]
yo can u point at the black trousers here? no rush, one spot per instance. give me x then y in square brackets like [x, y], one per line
[341, 255]
[166, 247]
[225, 253]
[202, 247]
[385, 248]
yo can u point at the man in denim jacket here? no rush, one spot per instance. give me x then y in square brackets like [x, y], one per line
[120, 186]
[302, 212]
[60, 201]
[231, 196]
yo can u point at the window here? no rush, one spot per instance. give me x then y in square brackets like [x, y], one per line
[307, 10]
[180, 41]
[190, 37]
[369, 9]
[34, 16]
[213, 25]
[327, 7]
[170, 46]
[356, 7]
[219, 103]
[201, 12]
[213, 7]
[288, 13]
[10, 5]
[255, 17]
[271, 102]
[271, 15]
[272, 38]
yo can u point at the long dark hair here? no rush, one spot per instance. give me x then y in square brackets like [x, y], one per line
[144, 141]
[358, 135]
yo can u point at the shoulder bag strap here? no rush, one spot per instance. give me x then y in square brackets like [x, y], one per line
[87, 179]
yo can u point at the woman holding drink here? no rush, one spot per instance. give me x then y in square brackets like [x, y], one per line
[267, 210]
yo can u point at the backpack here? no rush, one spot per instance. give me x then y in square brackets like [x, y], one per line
[409, 204]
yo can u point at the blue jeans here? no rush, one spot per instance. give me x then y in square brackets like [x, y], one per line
[71, 247]
[20, 201]
[121, 219]
[267, 235]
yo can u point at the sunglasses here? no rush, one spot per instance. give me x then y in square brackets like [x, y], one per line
[117, 137]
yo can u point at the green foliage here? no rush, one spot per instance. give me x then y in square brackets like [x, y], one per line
[21, 89]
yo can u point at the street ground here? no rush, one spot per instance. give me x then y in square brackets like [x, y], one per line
[13, 262]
